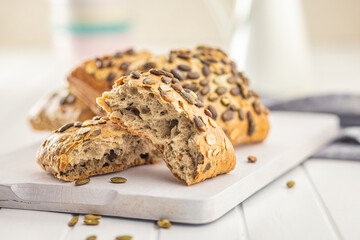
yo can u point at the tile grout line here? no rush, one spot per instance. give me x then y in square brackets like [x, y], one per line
[322, 204]
[242, 215]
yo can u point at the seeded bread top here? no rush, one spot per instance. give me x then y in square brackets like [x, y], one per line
[69, 136]
[58, 109]
[215, 152]
[224, 91]
[94, 76]
[102, 72]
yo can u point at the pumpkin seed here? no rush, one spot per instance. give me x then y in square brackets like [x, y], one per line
[91, 222]
[290, 184]
[82, 181]
[164, 223]
[73, 221]
[149, 81]
[92, 217]
[118, 180]
[252, 159]
[93, 237]
[124, 237]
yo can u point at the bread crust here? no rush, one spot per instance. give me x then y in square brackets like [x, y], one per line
[61, 107]
[211, 139]
[94, 76]
[226, 92]
[55, 153]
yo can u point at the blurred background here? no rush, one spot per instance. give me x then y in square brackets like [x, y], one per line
[288, 48]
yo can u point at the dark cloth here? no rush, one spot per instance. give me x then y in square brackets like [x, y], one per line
[346, 107]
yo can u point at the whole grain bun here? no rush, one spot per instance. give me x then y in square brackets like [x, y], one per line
[223, 90]
[59, 108]
[94, 76]
[155, 106]
[79, 150]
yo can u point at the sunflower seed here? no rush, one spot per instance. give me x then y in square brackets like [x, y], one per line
[96, 118]
[118, 180]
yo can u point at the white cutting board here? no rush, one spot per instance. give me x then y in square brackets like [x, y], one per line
[151, 192]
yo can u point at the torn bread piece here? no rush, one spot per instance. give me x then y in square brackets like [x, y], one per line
[79, 150]
[155, 106]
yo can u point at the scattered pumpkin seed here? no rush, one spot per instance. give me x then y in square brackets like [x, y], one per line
[124, 237]
[82, 181]
[73, 221]
[118, 180]
[251, 159]
[92, 217]
[290, 184]
[91, 222]
[164, 223]
[93, 237]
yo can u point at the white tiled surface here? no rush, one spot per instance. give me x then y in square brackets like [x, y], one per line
[324, 204]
